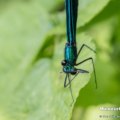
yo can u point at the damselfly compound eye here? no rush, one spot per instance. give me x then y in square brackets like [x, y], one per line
[64, 62]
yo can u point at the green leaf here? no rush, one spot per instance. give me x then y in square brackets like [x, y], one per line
[88, 9]
[103, 30]
[24, 27]
[38, 92]
[51, 5]
[23, 30]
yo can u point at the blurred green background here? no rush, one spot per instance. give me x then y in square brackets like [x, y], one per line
[33, 31]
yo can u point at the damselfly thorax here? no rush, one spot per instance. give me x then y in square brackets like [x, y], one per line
[70, 58]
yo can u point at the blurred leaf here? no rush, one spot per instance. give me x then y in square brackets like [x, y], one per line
[87, 10]
[31, 91]
[116, 46]
[102, 31]
[23, 30]
[51, 5]
[107, 86]
[112, 9]
[78, 113]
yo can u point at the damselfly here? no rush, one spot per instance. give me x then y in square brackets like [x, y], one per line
[71, 55]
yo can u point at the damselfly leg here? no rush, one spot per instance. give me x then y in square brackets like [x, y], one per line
[82, 48]
[77, 72]
[87, 60]
[68, 76]
[93, 68]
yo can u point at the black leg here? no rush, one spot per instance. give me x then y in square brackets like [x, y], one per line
[82, 71]
[67, 75]
[82, 48]
[70, 80]
[78, 71]
[65, 81]
[70, 90]
[93, 67]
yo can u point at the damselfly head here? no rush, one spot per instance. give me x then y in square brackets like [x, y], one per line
[64, 62]
[69, 69]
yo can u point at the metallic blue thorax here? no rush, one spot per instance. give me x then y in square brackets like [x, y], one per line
[71, 54]
[70, 57]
